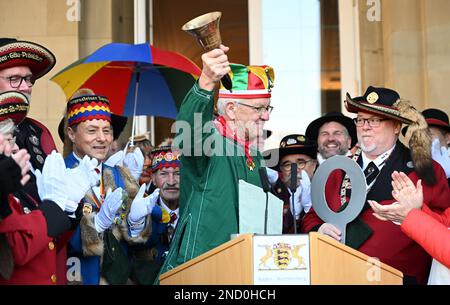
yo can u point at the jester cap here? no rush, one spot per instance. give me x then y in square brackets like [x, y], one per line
[249, 82]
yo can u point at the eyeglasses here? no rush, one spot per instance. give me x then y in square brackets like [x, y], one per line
[301, 164]
[11, 141]
[261, 110]
[373, 122]
[16, 80]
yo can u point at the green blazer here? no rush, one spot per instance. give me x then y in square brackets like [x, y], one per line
[211, 166]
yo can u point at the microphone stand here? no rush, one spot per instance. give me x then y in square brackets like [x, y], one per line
[293, 188]
[266, 188]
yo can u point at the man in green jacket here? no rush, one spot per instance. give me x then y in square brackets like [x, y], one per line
[217, 152]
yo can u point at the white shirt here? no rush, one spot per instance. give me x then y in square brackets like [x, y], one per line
[380, 161]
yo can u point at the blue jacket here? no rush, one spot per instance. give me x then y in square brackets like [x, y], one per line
[90, 265]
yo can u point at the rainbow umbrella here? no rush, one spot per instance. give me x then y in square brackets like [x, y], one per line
[138, 79]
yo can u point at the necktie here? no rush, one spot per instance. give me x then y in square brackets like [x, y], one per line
[371, 172]
[173, 217]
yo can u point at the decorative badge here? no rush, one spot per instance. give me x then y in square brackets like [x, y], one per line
[291, 141]
[372, 97]
[34, 140]
[40, 159]
[37, 150]
[251, 164]
[87, 208]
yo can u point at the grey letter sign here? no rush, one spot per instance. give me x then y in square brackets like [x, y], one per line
[357, 198]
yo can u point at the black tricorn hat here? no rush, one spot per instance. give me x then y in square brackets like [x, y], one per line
[118, 123]
[292, 144]
[380, 101]
[312, 131]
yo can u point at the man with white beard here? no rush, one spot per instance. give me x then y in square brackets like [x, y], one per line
[21, 64]
[380, 115]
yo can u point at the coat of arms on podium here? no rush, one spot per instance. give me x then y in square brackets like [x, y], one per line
[281, 259]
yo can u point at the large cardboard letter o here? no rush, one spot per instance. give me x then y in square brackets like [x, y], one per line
[357, 198]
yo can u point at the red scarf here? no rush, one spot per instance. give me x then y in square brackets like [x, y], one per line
[222, 127]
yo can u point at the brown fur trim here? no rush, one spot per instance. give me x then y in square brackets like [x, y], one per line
[92, 241]
[419, 141]
[131, 188]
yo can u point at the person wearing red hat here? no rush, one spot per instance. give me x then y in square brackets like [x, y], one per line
[33, 230]
[215, 156]
[380, 114]
[158, 213]
[21, 64]
[439, 127]
[101, 239]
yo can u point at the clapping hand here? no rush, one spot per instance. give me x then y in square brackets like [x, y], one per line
[51, 183]
[105, 217]
[21, 158]
[408, 196]
[134, 161]
[140, 208]
[79, 180]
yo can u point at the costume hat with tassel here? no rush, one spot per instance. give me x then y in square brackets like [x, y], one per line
[387, 103]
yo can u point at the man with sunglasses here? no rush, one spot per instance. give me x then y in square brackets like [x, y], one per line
[21, 64]
[380, 115]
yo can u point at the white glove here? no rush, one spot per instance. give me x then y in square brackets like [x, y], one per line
[306, 192]
[78, 181]
[440, 155]
[297, 201]
[105, 217]
[51, 182]
[140, 208]
[302, 196]
[116, 159]
[134, 161]
[272, 175]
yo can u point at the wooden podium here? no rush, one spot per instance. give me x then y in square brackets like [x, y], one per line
[330, 262]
